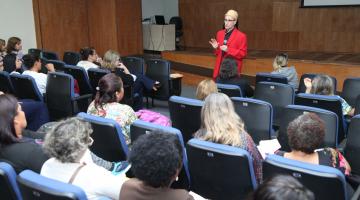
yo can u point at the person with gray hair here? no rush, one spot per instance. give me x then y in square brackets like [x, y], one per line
[280, 66]
[67, 143]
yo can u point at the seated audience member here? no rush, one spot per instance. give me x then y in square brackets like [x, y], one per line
[68, 145]
[33, 63]
[109, 93]
[1, 63]
[2, 48]
[89, 58]
[306, 134]
[156, 161]
[229, 75]
[280, 65]
[220, 124]
[12, 60]
[204, 88]
[139, 82]
[323, 85]
[282, 187]
[16, 147]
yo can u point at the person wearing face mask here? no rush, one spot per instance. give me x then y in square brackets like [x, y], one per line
[229, 42]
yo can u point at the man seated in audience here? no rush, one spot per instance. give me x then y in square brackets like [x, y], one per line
[33, 63]
[68, 145]
[282, 187]
[204, 88]
[89, 58]
[156, 160]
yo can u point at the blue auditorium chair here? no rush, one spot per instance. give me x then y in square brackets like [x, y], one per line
[109, 141]
[5, 83]
[25, 87]
[185, 115]
[325, 182]
[135, 65]
[9, 188]
[331, 103]
[220, 171]
[230, 90]
[268, 77]
[35, 186]
[293, 111]
[278, 95]
[257, 116]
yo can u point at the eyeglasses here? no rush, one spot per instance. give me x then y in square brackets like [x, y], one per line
[229, 20]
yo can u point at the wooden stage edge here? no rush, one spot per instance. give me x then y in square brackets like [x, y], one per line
[202, 64]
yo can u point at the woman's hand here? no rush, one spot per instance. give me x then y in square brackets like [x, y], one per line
[214, 43]
[50, 67]
[122, 66]
[308, 84]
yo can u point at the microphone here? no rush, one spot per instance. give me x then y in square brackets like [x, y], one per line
[225, 41]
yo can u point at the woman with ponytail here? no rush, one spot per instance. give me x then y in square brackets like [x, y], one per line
[109, 93]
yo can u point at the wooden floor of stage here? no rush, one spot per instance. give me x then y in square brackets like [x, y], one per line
[197, 63]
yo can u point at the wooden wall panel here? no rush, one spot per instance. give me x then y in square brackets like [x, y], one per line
[275, 24]
[63, 25]
[129, 28]
[102, 25]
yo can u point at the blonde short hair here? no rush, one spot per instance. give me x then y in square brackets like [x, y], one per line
[280, 61]
[232, 13]
[204, 88]
[110, 57]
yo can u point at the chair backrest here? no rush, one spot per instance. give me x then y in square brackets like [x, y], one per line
[58, 65]
[25, 87]
[50, 55]
[293, 111]
[136, 65]
[278, 95]
[351, 90]
[317, 178]
[268, 77]
[71, 58]
[331, 103]
[230, 90]
[220, 171]
[140, 127]
[36, 52]
[109, 142]
[177, 21]
[35, 186]
[9, 187]
[60, 95]
[95, 75]
[185, 115]
[80, 75]
[257, 116]
[352, 148]
[159, 70]
[5, 83]
[357, 106]
[302, 87]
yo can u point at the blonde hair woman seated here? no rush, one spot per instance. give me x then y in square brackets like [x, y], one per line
[204, 88]
[280, 65]
[220, 124]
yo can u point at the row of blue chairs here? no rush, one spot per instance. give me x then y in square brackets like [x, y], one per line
[212, 170]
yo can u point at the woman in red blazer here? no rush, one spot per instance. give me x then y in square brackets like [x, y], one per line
[229, 42]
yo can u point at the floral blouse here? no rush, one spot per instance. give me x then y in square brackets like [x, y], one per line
[123, 114]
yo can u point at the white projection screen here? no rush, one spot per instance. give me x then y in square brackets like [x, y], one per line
[325, 3]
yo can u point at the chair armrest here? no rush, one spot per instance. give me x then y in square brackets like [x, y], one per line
[85, 96]
[356, 194]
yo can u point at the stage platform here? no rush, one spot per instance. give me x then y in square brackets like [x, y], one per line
[197, 63]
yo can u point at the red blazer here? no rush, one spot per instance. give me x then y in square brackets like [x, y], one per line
[237, 49]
